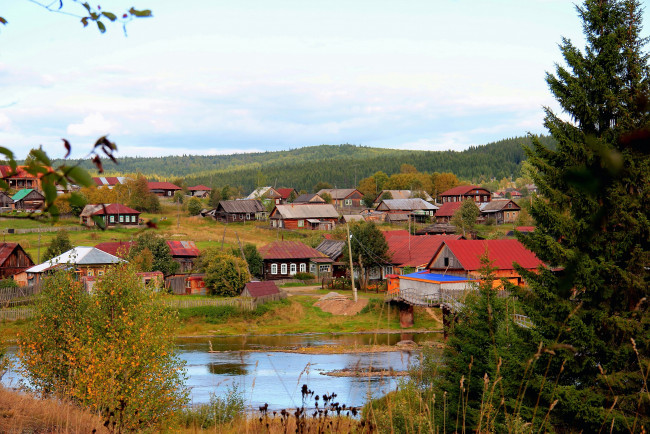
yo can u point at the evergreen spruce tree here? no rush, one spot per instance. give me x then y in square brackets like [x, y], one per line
[590, 307]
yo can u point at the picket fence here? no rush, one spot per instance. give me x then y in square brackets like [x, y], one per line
[14, 313]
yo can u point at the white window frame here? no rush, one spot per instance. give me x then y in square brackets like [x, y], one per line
[348, 202]
[312, 268]
[112, 218]
[293, 269]
[121, 218]
[303, 268]
[283, 268]
[388, 270]
[323, 269]
[274, 268]
[301, 223]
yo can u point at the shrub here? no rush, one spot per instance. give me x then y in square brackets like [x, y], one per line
[305, 276]
[225, 274]
[194, 206]
[219, 410]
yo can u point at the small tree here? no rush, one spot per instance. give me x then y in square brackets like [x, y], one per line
[321, 185]
[369, 249]
[253, 259]
[465, 217]
[179, 197]
[162, 258]
[225, 274]
[60, 244]
[292, 196]
[194, 206]
[326, 197]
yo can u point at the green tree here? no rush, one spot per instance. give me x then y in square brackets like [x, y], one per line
[156, 244]
[112, 351]
[178, 197]
[465, 216]
[320, 186]
[225, 274]
[253, 259]
[194, 206]
[326, 197]
[594, 227]
[369, 249]
[60, 244]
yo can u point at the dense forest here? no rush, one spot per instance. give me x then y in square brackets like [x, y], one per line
[340, 165]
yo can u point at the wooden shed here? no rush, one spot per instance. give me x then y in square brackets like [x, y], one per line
[263, 292]
[13, 260]
[28, 200]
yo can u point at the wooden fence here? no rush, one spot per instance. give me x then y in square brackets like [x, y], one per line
[15, 313]
[243, 303]
[42, 229]
[7, 294]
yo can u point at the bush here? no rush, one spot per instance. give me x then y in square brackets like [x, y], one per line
[217, 411]
[305, 276]
[194, 206]
[225, 274]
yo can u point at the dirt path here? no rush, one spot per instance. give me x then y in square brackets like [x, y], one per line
[433, 315]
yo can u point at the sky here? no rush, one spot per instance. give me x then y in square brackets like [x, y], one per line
[215, 77]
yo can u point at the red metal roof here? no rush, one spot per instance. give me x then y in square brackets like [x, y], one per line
[525, 228]
[20, 172]
[448, 209]
[115, 208]
[289, 250]
[503, 253]
[199, 187]
[396, 233]
[285, 192]
[417, 251]
[110, 180]
[6, 249]
[461, 190]
[183, 248]
[120, 249]
[157, 185]
[260, 289]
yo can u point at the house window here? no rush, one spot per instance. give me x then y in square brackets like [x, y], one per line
[248, 216]
[169, 193]
[388, 270]
[348, 202]
[112, 219]
[312, 268]
[241, 216]
[100, 273]
[294, 269]
[188, 284]
[89, 273]
[274, 268]
[301, 223]
[303, 268]
[121, 219]
[446, 262]
[273, 223]
[324, 268]
[283, 269]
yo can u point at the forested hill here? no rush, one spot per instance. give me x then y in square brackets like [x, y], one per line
[339, 165]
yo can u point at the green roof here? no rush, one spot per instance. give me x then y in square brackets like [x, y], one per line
[21, 194]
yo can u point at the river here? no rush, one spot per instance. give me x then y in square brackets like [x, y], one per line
[268, 375]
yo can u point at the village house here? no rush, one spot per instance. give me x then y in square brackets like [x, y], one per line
[402, 194]
[6, 202]
[334, 250]
[229, 211]
[447, 211]
[120, 249]
[85, 261]
[263, 292]
[28, 200]
[109, 181]
[185, 253]
[199, 191]
[437, 228]
[344, 197]
[187, 284]
[285, 195]
[500, 210]
[163, 189]
[311, 198]
[283, 259]
[111, 214]
[323, 217]
[411, 253]
[419, 210]
[21, 179]
[463, 192]
[265, 194]
[462, 258]
[13, 260]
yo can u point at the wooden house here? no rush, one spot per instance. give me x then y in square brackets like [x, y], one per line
[28, 200]
[419, 210]
[344, 197]
[163, 189]
[265, 194]
[501, 210]
[229, 211]
[199, 191]
[408, 252]
[6, 202]
[437, 229]
[323, 217]
[402, 194]
[20, 178]
[112, 214]
[185, 253]
[447, 211]
[462, 192]
[109, 181]
[310, 198]
[120, 249]
[286, 194]
[334, 250]
[283, 259]
[187, 284]
[85, 261]
[263, 292]
[463, 258]
[13, 260]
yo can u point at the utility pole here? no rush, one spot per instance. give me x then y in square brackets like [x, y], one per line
[39, 246]
[354, 290]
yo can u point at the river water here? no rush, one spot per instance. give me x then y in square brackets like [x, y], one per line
[269, 375]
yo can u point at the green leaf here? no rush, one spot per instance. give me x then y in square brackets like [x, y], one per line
[41, 156]
[84, 21]
[140, 14]
[99, 221]
[87, 6]
[3, 21]
[7, 153]
[76, 199]
[80, 177]
[101, 26]
[111, 16]
[49, 189]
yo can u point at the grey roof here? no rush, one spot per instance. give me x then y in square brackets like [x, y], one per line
[337, 193]
[305, 211]
[405, 205]
[397, 217]
[240, 206]
[309, 198]
[332, 248]
[78, 256]
[353, 218]
[496, 205]
[263, 192]
[89, 210]
[405, 194]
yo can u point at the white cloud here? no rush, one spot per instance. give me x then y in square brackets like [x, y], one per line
[92, 124]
